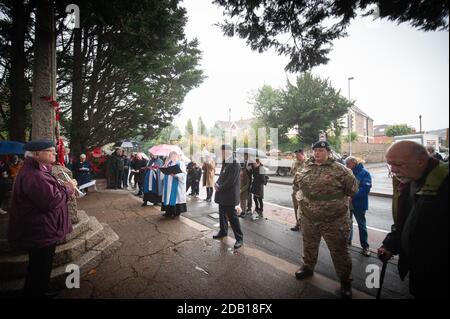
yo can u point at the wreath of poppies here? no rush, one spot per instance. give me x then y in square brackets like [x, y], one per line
[54, 104]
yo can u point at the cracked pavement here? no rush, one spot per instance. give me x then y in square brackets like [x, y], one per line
[164, 258]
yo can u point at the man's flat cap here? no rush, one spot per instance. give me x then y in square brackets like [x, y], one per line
[298, 151]
[321, 144]
[38, 145]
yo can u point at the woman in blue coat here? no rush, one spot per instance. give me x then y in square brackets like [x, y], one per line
[360, 202]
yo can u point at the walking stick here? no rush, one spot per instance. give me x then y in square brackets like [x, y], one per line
[383, 272]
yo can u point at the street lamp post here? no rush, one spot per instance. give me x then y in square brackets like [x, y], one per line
[420, 123]
[350, 128]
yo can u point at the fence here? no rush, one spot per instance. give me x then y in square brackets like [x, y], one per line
[370, 152]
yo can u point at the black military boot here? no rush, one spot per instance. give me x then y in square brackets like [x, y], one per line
[303, 273]
[346, 289]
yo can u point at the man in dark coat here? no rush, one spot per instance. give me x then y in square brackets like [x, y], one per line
[120, 167]
[139, 168]
[111, 172]
[189, 171]
[39, 216]
[421, 229]
[196, 176]
[227, 196]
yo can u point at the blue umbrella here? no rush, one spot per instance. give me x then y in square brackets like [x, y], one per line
[11, 147]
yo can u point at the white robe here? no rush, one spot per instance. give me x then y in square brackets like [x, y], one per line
[181, 189]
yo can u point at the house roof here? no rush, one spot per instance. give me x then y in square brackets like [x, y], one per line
[359, 111]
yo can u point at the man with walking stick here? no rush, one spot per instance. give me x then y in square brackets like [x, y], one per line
[421, 226]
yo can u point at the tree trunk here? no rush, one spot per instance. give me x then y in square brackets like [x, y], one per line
[76, 127]
[18, 99]
[44, 79]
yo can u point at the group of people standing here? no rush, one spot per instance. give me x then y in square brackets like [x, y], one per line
[9, 168]
[206, 173]
[325, 191]
[253, 178]
[164, 183]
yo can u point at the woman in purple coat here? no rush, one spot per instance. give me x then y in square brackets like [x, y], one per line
[39, 216]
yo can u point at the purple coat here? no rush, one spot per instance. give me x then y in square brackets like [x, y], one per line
[39, 215]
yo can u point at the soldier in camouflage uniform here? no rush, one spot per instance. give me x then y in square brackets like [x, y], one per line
[297, 166]
[326, 187]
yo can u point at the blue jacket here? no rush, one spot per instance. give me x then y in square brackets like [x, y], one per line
[361, 199]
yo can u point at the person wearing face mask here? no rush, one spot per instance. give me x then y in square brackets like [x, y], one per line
[420, 231]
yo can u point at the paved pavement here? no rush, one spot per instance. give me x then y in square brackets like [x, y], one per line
[177, 258]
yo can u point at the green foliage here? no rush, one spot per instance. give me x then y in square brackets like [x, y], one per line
[189, 128]
[304, 30]
[201, 127]
[398, 129]
[168, 135]
[310, 106]
[335, 142]
[353, 137]
[290, 144]
[137, 67]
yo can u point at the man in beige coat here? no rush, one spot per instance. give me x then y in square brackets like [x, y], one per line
[209, 171]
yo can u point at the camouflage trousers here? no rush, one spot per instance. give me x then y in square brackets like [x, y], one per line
[335, 234]
[296, 208]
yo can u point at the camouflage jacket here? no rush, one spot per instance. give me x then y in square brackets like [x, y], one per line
[325, 189]
[297, 166]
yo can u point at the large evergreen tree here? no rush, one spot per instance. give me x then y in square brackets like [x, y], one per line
[124, 74]
[304, 30]
[310, 105]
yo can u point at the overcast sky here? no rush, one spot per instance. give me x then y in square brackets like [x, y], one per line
[399, 72]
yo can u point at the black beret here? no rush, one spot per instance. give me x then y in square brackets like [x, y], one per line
[321, 144]
[226, 147]
[298, 151]
[38, 145]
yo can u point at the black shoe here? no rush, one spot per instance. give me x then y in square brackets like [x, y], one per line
[346, 290]
[242, 215]
[295, 228]
[303, 273]
[144, 204]
[51, 294]
[138, 194]
[238, 244]
[219, 235]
